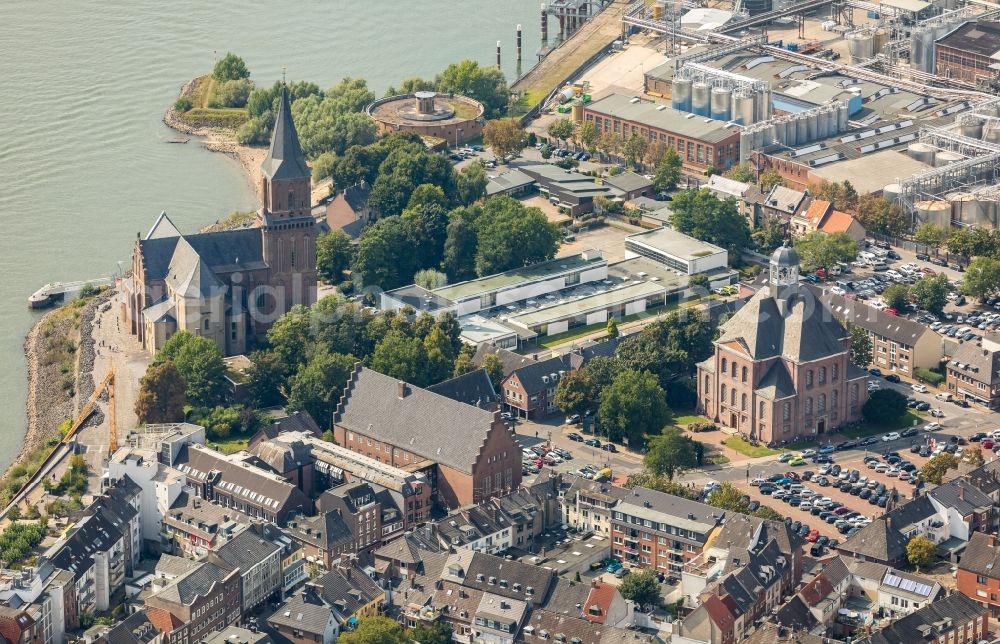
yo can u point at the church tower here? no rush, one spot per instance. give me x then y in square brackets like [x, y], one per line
[288, 227]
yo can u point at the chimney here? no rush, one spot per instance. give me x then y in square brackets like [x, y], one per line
[961, 492]
[403, 389]
[992, 540]
[594, 583]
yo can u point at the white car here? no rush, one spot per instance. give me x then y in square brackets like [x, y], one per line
[757, 482]
[881, 468]
[891, 436]
[919, 388]
[806, 453]
[937, 413]
[932, 427]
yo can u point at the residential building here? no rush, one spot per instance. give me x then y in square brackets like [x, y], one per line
[587, 505]
[134, 629]
[203, 600]
[238, 635]
[228, 286]
[821, 216]
[18, 627]
[306, 618]
[965, 508]
[826, 593]
[973, 372]
[196, 526]
[898, 344]
[700, 142]
[746, 195]
[901, 593]
[472, 388]
[978, 575]
[404, 557]
[676, 250]
[93, 551]
[352, 594]
[878, 542]
[348, 211]
[631, 185]
[530, 391]
[955, 618]
[257, 553]
[780, 371]
[324, 537]
[969, 53]
[659, 531]
[360, 508]
[783, 203]
[402, 425]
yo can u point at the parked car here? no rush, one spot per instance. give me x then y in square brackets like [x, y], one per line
[609, 447]
[576, 438]
[593, 442]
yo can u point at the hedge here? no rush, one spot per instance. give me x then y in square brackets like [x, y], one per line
[928, 376]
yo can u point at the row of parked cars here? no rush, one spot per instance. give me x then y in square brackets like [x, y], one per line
[533, 459]
[592, 442]
[797, 495]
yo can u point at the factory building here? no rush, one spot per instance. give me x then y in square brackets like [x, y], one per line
[702, 142]
[969, 53]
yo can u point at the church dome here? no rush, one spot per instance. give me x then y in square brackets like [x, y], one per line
[785, 256]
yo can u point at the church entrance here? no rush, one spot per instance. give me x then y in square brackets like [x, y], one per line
[732, 420]
[821, 427]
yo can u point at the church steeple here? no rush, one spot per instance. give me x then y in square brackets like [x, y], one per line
[285, 182]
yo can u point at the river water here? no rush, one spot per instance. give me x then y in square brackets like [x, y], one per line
[84, 164]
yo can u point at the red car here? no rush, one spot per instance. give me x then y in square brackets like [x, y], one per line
[987, 444]
[890, 311]
[821, 273]
[841, 511]
[813, 535]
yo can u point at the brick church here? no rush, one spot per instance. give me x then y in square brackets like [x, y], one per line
[230, 286]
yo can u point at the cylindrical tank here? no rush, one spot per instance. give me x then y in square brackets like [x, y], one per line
[746, 144]
[944, 157]
[842, 118]
[860, 45]
[892, 192]
[743, 109]
[972, 129]
[881, 39]
[578, 112]
[992, 135]
[700, 93]
[657, 11]
[801, 131]
[958, 202]
[762, 105]
[722, 100]
[933, 211]
[566, 94]
[780, 133]
[681, 94]
[918, 48]
[922, 152]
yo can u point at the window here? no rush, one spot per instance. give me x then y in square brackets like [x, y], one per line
[822, 375]
[809, 378]
[205, 324]
[833, 371]
[708, 383]
[980, 579]
[809, 406]
[763, 408]
[833, 399]
[734, 369]
[723, 396]
[822, 403]
[744, 376]
[743, 403]
[724, 363]
[732, 397]
[786, 411]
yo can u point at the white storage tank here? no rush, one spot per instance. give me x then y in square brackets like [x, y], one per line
[992, 135]
[843, 116]
[680, 98]
[801, 131]
[892, 192]
[922, 152]
[743, 109]
[961, 212]
[763, 105]
[945, 157]
[812, 121]
[972, 129]
[722, 101]
[860, 45]
[933, 211]
[780, 133]
[700, 93]
[881, 37]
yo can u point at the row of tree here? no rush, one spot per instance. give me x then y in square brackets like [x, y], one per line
[930, 293]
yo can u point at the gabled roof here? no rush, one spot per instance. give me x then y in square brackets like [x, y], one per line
[602, 596]
[348, 590]
[795, 614]
[961, 496]
[163, 227]
[877, 541]
[869, 318]
[537, 376]
[246, 549]
[538, 579]
[188, 275]
[817, 210]
[305, 611]
[134, 629]
[912, 512]
[199, 582]
[222, 251]
[976, 361]
[931, 621]
[816, 590]
[776, 383]
[285, 159]
[416, 421]
[472, 388]
[509, 360]
[981, 556]
[685, 513]
[837, 222]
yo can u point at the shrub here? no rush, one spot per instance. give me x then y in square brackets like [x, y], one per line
[884, 406]
[701, 427]
[928, 376]
[183, 104]
[234, 93]
[615, 170]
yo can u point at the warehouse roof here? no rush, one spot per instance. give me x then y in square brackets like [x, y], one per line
[608, 298]
[661, 116]
[518, 276]
[872, 172]
[982, 38]
[675, 244]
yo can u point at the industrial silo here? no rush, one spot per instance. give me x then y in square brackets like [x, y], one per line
[681, 94]
[700, 93]
[843, 116]
[811, 121]
[918, 47]
[801, 130]
[577, 112]
[722, 100]
[961, 211]
[780, 133]
[892, 192]
[746, 143]
[881, 39]
[762, 108]
[934, 211]
[992, 135]
[945, 157]
[743, 109]
[972, 129]
[922, 152]
[860, 45]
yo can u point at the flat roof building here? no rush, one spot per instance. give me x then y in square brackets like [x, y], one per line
[676, 250]
[700, 141]
[969, 53]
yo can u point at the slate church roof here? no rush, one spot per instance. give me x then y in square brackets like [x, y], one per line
[285, 159]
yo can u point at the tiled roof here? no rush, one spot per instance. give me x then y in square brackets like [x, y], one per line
[961, 496]
[981, 556]
[305, 611]
[817, 211]
[246, 549]
[509, 360]
[837, 222]
[199, 582]
[472, 388]
[976, 362]
[893, 327]
[930, 621]
[777, 383]
[134, 629]
[417, 421]
[348, 590]
[912, 512]
[795, 614]
[484, 567]
[285, 159]
[92, 534]
[816, 590]
[537, 376]
[877, 541]
[602, 595]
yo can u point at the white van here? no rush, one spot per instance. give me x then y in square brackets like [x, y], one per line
[945, 396]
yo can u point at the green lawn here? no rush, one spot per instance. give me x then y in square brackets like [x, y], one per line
[870, 429]
[575, 334]
[231, 444]
[745, 448]
[688, 419]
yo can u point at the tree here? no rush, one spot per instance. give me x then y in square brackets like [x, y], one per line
[230, 67]
[561, 129]
[384, 256]
[729, 497]
[575, 392]
[702, 215]
[470, 184]
[668, 171]
[881, 216]
[668, 348]
[430, 279]
[843, 196]
[162, 394]
[401, 357]
[921, 551]
[641, 587]
[199, 361]
[974, 456]
[485, 84]
[931, 292]
[820, 250]
[770, 236]
[660, 483]
[587, 133]
[264, 380]
[934, 470]
[671, 453]
[494, 369]
[861, 347]
[741, 172]
[982, 278]
[504, 136]
[930, 234]
[884, 406]
[459, 260]
[234, 93]
[608, 143]
[632, 407]
[897, 296]
[510, 235]
[375, 630]
[612, 328]
[635, 148]
[437, 633]
[769, 179]
[219, 421]
[317, 386]
[333, 255]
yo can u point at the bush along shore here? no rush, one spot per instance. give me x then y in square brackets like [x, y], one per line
[59, 352]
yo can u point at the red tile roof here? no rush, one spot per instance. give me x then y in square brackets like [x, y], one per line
[164, 621]
[599, 601]
[721, 614]
[817, 590]
[816, 211]
[836, 222]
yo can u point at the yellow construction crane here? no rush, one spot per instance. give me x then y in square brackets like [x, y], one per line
[88, 408]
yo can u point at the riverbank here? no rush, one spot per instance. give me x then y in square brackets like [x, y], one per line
[219, 139]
